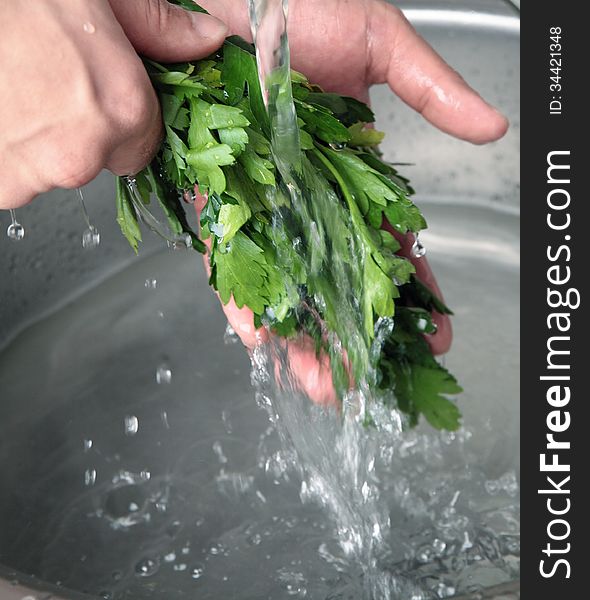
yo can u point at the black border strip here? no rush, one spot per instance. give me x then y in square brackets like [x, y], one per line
[559, 127]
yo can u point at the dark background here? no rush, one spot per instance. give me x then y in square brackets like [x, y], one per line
[542, 133]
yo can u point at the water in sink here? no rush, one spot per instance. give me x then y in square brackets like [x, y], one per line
[136, 462]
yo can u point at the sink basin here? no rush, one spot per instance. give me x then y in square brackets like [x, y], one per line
[135, 461]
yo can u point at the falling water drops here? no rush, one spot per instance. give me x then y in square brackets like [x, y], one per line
[175, 241]
[230, 336]
[151, 284]
[163, 374]
[181, 242]
[90, 477]
[197, 571]
[87, 445]
[189, 196]
[131, 425]
[218, 449]
[418, 248]
[226, 419]
[90, 236]
[147, 567]
[15, 231]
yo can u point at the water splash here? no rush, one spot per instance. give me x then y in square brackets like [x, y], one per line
[402, 523]
[336, 457]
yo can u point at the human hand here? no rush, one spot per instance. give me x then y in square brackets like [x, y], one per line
[76, 97]
[346, 47]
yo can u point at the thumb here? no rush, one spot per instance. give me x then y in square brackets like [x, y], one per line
[162, 31]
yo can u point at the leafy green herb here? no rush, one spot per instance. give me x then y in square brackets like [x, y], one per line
[263, 254]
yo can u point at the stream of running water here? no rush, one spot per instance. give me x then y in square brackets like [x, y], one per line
[334, 453]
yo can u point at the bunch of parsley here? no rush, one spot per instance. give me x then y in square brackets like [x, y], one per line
[218, 137]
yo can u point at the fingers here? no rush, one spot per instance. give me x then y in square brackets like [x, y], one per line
[416, 73]
[162, 31]
[439, 342]
[308, 372]
[140, 119]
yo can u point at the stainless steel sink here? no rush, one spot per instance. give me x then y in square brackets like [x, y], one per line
[72, 369]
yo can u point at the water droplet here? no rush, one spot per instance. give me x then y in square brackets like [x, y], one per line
[439, 547]
[90, 238]
[255, 539]
[147, 567]
[230, 336]
[337, 146]
[163, 374]
[88, 27]
[216, 549]
[182, 242]
[218, 449]
[293, 582]
[87, 445]
[418, 248]
[151, 284]
[164, 417]
[444, 591]
[189, 196]
[180, 567]
[145, 475]
[174, 529]
[171, 557]
[425, 554]
[225, 418]
[197, 571]
[15, 231]
[131, 425]
[90, 477]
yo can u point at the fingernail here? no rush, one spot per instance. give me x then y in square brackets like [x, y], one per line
[208, 26]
